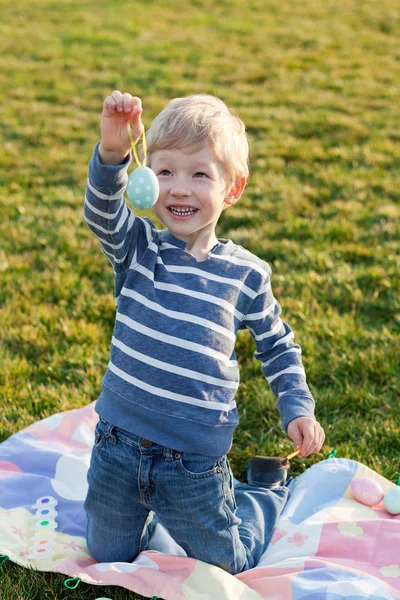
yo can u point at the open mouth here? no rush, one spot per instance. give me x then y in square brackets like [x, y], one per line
[182, 212]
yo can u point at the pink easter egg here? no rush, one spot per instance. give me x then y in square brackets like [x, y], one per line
[366, 491]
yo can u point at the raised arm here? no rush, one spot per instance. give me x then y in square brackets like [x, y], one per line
[121, 234]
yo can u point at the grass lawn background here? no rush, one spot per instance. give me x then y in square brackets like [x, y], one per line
[318, 85]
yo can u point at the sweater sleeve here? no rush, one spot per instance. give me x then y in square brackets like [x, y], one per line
[280, 357]
[123, 236]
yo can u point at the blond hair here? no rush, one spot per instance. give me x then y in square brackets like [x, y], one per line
[192, 122]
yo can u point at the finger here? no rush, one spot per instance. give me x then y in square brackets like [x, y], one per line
[296, 437]
[110, 105]
[321, 439]
[313, 448]
[137, 127]
[127, 102]
[318, 441]
[136, 104]
[308, 442]
[116, 94]
[136, 118]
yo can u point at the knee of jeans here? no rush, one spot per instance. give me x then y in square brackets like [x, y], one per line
[98, 552]
[233, 568]
[106, 553]
[95, 551]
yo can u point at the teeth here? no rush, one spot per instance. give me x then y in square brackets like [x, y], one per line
[182, 211]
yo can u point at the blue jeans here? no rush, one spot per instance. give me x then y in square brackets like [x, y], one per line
[192, 496]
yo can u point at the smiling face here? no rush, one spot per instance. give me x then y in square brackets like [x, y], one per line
[193, 193]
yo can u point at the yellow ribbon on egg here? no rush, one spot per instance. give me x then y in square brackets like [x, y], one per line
[144, 147]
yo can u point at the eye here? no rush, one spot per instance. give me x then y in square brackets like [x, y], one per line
[165, 172]
[201, 175]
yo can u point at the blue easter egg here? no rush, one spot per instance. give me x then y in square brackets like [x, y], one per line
[391, 501]
[143, 188]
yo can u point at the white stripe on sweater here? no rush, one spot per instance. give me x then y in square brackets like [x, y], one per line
[225, 280]
[292, 370]
[101, 213]
[239, 261]
[267, 334]
[261, 315]
[176, 289]
[134, 259]
[169, 339]
[113, 258]
[233, 259]
[113, 246]
[120, 224]
[171, 395]
[173, 314]
[288, 338]
[170, 368]
[104, 196]
[149, 234]
[268, 362]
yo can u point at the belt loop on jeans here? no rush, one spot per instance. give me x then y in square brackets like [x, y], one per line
[168, 454]
[109, 435]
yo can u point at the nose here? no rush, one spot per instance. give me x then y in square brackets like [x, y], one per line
[179, 189]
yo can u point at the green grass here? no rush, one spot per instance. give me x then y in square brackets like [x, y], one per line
[317, 84]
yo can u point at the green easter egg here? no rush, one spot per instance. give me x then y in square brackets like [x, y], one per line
[391, 500]
[143, 188]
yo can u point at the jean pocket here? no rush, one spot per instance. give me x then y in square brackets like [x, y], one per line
[198, 466]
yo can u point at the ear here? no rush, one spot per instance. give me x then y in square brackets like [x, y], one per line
[234, 191]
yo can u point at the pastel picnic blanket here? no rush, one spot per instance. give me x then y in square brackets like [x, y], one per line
[326, 545]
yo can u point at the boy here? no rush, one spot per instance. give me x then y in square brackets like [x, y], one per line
[167, 408]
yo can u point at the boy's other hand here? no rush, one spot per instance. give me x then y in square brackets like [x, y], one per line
[307, 435]
[119, 110]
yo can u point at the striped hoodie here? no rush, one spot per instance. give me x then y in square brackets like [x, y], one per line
[173, 372]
